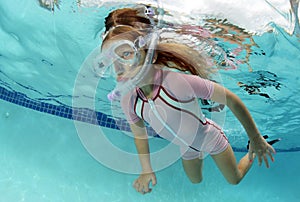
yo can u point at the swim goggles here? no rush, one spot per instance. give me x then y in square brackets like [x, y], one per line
[121, 56]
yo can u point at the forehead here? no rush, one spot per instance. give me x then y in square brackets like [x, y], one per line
[117, 45]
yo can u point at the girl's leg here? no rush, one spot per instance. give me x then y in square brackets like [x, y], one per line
[227, 164]
[193, 169]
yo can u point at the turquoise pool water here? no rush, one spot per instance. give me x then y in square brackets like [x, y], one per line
[42, 157]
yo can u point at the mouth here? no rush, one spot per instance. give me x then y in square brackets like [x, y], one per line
[121, 78]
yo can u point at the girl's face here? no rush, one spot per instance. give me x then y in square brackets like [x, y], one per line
[126, 58]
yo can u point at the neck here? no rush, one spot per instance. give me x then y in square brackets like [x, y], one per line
[147, 83]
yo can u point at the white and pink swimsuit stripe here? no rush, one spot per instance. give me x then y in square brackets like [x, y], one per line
[175, 97]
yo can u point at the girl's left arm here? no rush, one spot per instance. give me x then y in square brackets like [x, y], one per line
[258, 144]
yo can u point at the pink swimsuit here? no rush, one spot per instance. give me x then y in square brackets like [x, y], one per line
[175, 99]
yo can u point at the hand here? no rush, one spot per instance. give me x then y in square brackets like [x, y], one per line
[260, 148]
[142, 183]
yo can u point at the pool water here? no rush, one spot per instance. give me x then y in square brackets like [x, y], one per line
[42, 157]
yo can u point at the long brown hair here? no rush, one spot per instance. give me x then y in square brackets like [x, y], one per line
[128, 16]
[171, 55]
[240, 43]
[128, 24]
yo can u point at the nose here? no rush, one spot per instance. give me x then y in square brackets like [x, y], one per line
[119, 69]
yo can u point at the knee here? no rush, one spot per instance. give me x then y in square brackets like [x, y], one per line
[234, 181]
[196, 180]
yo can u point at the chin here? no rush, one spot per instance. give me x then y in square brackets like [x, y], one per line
[122, 79]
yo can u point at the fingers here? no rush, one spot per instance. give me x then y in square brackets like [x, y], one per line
[271, 150]
[144, 189]
[143, 186]
[136, 184]
[263, 156]
[153, 179]
[266, 160]
[262, 152]
[259, 157]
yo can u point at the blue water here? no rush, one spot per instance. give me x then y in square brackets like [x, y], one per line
[42, 157]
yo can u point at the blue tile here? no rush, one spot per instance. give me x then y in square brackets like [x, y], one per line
[80, 114]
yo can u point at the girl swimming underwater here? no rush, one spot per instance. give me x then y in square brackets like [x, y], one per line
[168, 100]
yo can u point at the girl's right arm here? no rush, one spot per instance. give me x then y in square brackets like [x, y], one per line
[141, 142]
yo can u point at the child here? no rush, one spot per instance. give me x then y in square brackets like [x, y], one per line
[168, 101]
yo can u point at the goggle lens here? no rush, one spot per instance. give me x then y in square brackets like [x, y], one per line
[112, 61]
